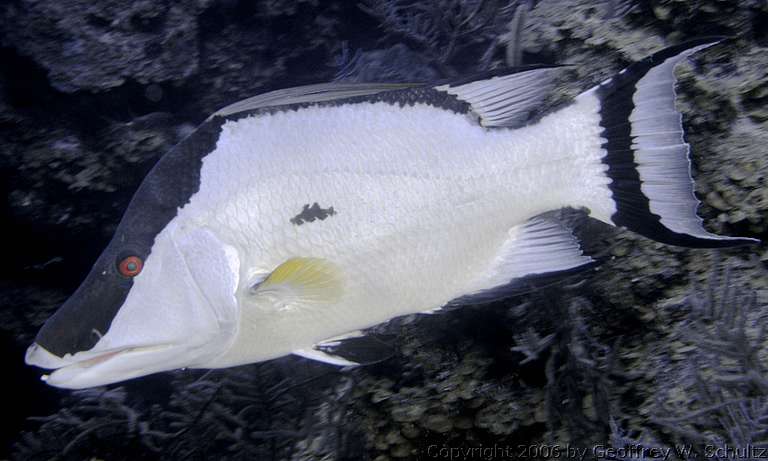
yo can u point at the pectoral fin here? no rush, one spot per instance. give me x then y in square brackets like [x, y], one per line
[309, 280]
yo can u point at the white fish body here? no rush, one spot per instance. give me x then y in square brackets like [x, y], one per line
[424, 201]
[290, 221]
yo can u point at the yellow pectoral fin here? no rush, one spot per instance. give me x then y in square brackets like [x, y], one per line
[313, 280]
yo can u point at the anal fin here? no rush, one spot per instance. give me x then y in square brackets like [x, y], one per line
[541, 248]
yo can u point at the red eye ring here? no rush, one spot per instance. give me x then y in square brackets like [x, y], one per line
[130, 266]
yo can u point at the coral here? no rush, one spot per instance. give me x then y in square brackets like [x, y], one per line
[492, 386]
[96, 46]
[726, 384]
[441, 30]
[97, 416]
[653, 348]
[396, 64]
[271, 411]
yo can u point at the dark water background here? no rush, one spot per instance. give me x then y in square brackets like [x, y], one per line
[641, 351]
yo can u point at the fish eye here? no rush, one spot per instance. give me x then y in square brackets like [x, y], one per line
[130, 266]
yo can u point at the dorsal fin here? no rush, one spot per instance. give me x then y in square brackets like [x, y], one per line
[308, 94]
[505, 99]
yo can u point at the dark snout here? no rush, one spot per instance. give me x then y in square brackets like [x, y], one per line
[86, 316]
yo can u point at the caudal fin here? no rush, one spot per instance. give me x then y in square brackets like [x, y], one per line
[647, 157]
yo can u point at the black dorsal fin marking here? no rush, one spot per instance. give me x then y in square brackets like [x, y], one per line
[321, 92]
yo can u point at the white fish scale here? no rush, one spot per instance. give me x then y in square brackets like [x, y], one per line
[423, 199]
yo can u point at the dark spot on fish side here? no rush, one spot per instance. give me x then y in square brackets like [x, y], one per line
[311, 213]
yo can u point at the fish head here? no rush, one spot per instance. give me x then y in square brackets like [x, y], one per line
[143, 309]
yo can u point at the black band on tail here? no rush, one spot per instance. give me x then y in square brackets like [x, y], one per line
[647, 156]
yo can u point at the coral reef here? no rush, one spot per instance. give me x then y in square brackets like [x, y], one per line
[656, 347]
[101, 45]
[725, 376]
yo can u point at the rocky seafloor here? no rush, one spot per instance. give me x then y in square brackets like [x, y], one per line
[658, 347]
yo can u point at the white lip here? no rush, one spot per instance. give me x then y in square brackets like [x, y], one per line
[87, 369]
[83, 364]
[39, 356]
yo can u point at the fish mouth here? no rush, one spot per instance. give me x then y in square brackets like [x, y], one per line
[90, 369]
[88, 363]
